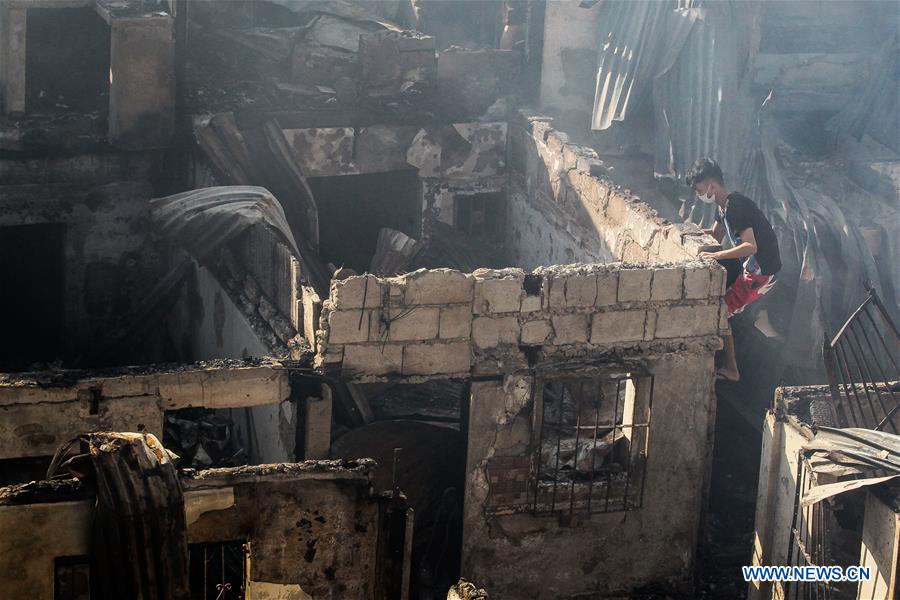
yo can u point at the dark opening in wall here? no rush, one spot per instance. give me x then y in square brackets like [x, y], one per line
[480, 215]
[32, 276]
[71, 578]
[67, 61]
[352, 208]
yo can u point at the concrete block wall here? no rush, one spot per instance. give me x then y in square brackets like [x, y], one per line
[563, 208]
[444, 323]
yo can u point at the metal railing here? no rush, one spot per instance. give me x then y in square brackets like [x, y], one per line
[861, 363]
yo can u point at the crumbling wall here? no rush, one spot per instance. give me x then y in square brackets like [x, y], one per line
[110, 259]
[48, 409]
[563, 206]
[602, 553]
[312, 528]
[446, 323]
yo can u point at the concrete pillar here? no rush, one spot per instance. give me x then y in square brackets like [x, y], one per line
[317, 423]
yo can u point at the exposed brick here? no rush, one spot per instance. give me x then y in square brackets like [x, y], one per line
[536, 332]
[531, 303]
[414, 323]
[718, 281]
[488, 332]
[433, 359]
[617, 326]
[687, 321]
[438, 286]
[498, 295]
[570, 329]
[557, 296]
[375, 359]
[581, 290]
[696, 283]
[634, 285]
[349, 293]
[667, 284]
[456, 321]
[345, 326]
[607, 288]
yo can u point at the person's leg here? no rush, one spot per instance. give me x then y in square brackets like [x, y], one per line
[748, 288]
[730, 370]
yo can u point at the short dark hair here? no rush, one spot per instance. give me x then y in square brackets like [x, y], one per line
[705, 168]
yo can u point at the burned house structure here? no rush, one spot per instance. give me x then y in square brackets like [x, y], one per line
[389, 303]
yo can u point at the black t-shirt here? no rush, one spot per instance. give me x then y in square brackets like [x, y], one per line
[741, 213]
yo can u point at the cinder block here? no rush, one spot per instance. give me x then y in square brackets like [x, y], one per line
[413, 323]
[488, 332]
[607, 288]
[723, 317]
[531, 303]
[696, 283]
[667, 284]
[581, 291]
[433, 359]
[438, 286]
[374, 359]
[348, 326]
[717, 282]
[557, 295]
[498, 295]
[570, 329]
[634, 285]
[356, 292]
[536, 332]
[687, 321]
[618, 326]
[456, 321]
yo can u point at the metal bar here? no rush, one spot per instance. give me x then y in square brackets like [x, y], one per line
[884, 379]
[577, 439]
[871, 380]
[558, 444]
[646, 443]
[594, 448]
[862, 380]
[842, 358]
[843, 396]
[613, 444]
[540, 449]
[858, 310]
[877, 330]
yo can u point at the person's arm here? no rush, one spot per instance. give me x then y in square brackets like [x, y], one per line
[717, 231]
[747, 247]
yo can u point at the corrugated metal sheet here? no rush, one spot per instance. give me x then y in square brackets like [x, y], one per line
[631, 41]
[688, 57]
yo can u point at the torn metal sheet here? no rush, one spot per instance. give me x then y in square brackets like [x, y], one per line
[393, 253]
[139, 510]
[206, 219]
[823, 492]
[874, 448]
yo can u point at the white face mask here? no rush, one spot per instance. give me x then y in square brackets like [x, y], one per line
[707, 198]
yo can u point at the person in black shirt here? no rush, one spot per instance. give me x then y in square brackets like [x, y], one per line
[752, 240]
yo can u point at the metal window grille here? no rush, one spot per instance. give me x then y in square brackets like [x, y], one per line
[862, 369]
[218, 571]
[592, 449]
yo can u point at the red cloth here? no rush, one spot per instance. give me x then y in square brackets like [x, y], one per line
[747, 289]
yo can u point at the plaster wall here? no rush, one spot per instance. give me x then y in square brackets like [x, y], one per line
[617, 551]
[109, 258]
